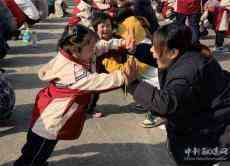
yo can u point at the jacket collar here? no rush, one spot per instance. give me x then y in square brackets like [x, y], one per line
[73, 59]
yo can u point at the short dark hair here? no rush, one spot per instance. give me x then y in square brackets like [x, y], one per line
[100, 17]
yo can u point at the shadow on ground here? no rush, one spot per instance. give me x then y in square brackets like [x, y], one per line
[24, 61]
[53, 20]
[110, 109]
[18, 122]
[39, 49]
[22, 114]
[50, 26]
[25, 81]
[116, 154]
[222, 57]
[45, 36]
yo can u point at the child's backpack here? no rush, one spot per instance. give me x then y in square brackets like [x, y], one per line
[7, 97]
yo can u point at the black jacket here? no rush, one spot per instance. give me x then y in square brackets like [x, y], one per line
[195, 99]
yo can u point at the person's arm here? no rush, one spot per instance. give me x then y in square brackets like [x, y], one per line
[173, 97]
[104, 46]
[94, 82]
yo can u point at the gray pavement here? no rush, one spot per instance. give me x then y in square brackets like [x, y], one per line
[115, 140]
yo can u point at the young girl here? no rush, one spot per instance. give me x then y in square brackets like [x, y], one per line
[59, 111]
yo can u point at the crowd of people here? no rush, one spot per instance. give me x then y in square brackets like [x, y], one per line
[16, 15]
[114, 43]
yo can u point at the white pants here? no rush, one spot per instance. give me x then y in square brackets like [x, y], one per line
[58, 8]
[28, 8]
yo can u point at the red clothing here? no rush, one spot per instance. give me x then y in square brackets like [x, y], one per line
[59, 111]
[74, 125]
[219, 14]
[16, 11]
[188, 6]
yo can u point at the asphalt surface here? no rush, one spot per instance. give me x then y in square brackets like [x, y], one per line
[114, 140]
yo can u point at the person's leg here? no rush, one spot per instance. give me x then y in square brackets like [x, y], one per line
[91, 107]
[219, 39]
[194, 24]
[180, 18]
[58, 8]
[36, 151]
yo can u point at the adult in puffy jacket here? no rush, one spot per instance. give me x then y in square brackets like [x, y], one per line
[194, 98]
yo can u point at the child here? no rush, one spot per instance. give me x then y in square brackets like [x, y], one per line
[113, 59]
[59, 112]
[217, 12]
[84, 10]
[109, 58]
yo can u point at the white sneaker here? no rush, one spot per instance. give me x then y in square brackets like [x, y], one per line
[221, 49]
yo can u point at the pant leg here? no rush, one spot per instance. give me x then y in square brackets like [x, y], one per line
[180, 18]
[58, 8]
[36, 151]
[93, 103]
[219, 39]
[194, 24]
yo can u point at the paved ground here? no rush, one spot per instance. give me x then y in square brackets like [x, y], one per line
[115, 140]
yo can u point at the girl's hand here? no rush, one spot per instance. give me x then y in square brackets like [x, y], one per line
[130, 40]
[128, 44]
[130, 70]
